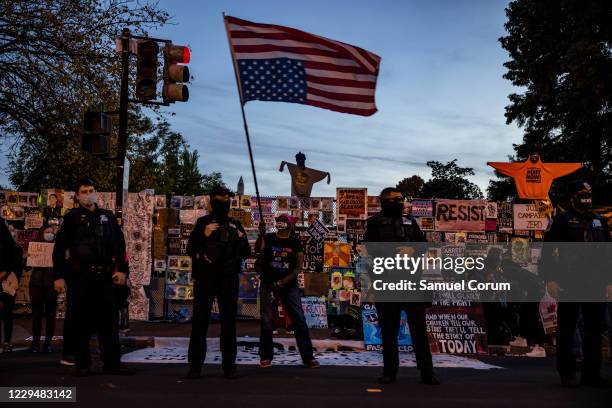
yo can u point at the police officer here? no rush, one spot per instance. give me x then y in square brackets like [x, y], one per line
[217, 246]
[88, 260]
[578, 224]
[391, 226]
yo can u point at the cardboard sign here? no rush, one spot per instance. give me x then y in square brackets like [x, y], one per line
[313, 254]
[40, 254]
[317, 231]
[491, 210]
[422, 208]
[352, 202]
[505, 218]
[372, 337]
[527, 217]
[315, 312]
[457, 328]
[316, 284]
[460, 215]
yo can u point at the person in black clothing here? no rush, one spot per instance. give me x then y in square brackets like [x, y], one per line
[43, 298]
[217, 246]
[89, 259]
[578, 224]
[282, 260]
[11, 264]
[391, 226]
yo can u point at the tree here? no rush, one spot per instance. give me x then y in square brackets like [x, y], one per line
[449, 181]
[57, 58]
[560, 55]
[411, 186]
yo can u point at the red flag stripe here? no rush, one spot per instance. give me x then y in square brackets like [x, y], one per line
[367, 59]
[339, 96]
[342, 109]
[244, 49]
[341, 82]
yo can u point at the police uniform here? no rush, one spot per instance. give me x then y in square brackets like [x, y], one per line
[216, 263]
[381, 228]
[572, 226]
[89, 248]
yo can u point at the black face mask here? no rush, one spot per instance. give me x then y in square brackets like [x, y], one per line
[393, 209]
[220, 208]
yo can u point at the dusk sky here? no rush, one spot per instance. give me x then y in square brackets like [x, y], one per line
[440, 93]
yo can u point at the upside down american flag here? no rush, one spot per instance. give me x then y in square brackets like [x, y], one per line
[282, 64]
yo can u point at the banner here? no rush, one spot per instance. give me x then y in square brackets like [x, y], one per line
[527, 217]
[426, 223]
[460, 215]
[352, 202]
[457, 327]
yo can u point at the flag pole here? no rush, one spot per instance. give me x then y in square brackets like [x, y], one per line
[244, 121]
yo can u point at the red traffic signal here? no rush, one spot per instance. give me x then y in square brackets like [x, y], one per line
[175, 73]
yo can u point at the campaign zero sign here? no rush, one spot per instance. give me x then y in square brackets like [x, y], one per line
[527, 217]
[460, 215]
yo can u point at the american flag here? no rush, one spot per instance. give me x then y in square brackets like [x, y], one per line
[276, 63]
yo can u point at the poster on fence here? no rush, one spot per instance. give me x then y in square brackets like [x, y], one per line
[352, 202]
[421, 208]
[315, 311]
[337, 254]
[528, 217]
[313, 254]
[372, 337]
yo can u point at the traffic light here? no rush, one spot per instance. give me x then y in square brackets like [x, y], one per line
[97, 127]
[175, 72]
[146, 70]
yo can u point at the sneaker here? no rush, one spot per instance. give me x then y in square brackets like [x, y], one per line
[67, 361]
[7, 347]
[121, 369]
[537, 351]
[313, 364]
[47, 349]
[265, 363]
[519, 342]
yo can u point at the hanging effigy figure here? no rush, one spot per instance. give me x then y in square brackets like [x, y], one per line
[302, 177]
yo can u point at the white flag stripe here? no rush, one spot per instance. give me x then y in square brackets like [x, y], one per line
[303, 57]
[341, 89]
[344, 104]
[354, 53]
[280, 43]
[340, 75]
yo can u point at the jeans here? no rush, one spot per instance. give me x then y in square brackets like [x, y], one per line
[291, 300]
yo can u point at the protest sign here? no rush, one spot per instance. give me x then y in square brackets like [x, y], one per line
[352, 202]
[315, 312]
[421, 208]
[460, 215]
[528, 217]
[372, 337]
[40, 254]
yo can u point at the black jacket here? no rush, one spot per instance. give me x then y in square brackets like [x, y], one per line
[222, 252]
[89, 238]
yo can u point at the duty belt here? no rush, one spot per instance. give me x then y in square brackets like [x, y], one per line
[94, 269]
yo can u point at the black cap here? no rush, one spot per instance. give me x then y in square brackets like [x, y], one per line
[577, 186]
[220, 190]
[84, 182]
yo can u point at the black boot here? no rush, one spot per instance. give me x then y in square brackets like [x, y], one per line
[120, 369]
[387, 379]
[194, 373]
[429, 379]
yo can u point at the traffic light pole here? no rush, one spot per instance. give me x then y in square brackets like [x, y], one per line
[123, 119]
